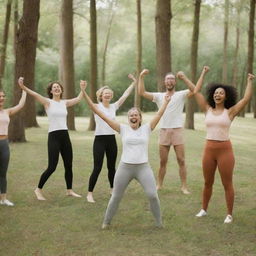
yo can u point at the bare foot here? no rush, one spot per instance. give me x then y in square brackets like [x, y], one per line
[90, 198]
[39, 194]
[70, 192]
[185, 191]
[158, 187]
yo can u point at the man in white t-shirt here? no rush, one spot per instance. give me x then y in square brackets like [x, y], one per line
[171, 126]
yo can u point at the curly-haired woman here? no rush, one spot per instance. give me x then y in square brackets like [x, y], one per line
[220, 109]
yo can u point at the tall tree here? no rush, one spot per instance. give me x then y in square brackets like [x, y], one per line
[190, 107]
[26, 41]
[3, 45]
[67, 56]
[225, 44]
[105, 49]
[235, 61]
[93, 58]
[163, 43]
[137, 101]
[15, 23]
[251, 45]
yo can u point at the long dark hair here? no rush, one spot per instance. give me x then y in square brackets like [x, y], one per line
[230, 91]
[49, 88]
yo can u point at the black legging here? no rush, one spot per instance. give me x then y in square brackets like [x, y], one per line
[102, 144]
[58, 142]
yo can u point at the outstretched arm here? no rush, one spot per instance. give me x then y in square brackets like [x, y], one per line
[160, 112]
[43, 100]
[198, 96]
[233, 111]
[20, 105]
[141, 88]
[74, 101]
[112, 123]
[128, 91]
[189, 83]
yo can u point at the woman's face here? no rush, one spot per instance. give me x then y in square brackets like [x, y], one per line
[56, 90]
[107, 95]
[2, 98]
[219, 96]
[134, 118]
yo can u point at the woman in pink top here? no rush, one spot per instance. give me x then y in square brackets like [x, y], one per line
[220, 108]
[4, 145]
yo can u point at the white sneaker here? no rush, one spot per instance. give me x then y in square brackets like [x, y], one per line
[6, 202]
[228, 219]
[201, 213]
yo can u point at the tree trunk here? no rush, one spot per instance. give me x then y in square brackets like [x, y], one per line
[137, 100]
[26, 41]
[251, 46]
[225, 44]
[3, 45]
[104, 55]
[235, 61]
[67, 56]
[190, 106]
[163, 42]
[15, 24]
[93, 58]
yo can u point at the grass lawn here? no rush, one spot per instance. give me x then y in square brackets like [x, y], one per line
[64, 226]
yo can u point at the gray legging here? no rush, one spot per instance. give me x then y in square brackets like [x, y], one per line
[144, 175]
[4, 161]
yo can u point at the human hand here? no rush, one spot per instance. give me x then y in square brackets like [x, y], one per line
[21, 82]
[250, 77]
[181, 75]
[144, 72]
[83, 85]
[132, 77]
[206, 69]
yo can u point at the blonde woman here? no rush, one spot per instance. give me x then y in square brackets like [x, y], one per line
[105, 140]
[134, 159]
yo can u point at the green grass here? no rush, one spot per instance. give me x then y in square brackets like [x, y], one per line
[64, 226]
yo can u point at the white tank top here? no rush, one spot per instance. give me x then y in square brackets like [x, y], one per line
[57, 115]
[4, 122]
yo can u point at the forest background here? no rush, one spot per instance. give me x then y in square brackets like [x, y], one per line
[112, 38]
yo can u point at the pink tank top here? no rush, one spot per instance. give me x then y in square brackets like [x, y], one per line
[4, 122]
[217, 126]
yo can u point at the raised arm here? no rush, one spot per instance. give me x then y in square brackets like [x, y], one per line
[200, 99]
[160, 112]
[189, 83]
[233, 111]
[128, 91]
[20, 105]
[43, 100]
[112, 123]
[141, 88]
[74, 101]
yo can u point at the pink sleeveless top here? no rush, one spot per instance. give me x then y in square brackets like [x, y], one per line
[217, 126]
[4, 122]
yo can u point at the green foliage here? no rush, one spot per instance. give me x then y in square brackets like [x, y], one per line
[121, 54]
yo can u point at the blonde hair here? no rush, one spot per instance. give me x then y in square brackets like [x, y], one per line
[135, 109]
[100, 92]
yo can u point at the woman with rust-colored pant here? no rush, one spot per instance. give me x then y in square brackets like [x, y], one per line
[220, 109]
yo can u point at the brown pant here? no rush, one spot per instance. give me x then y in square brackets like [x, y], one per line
[218, 154]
